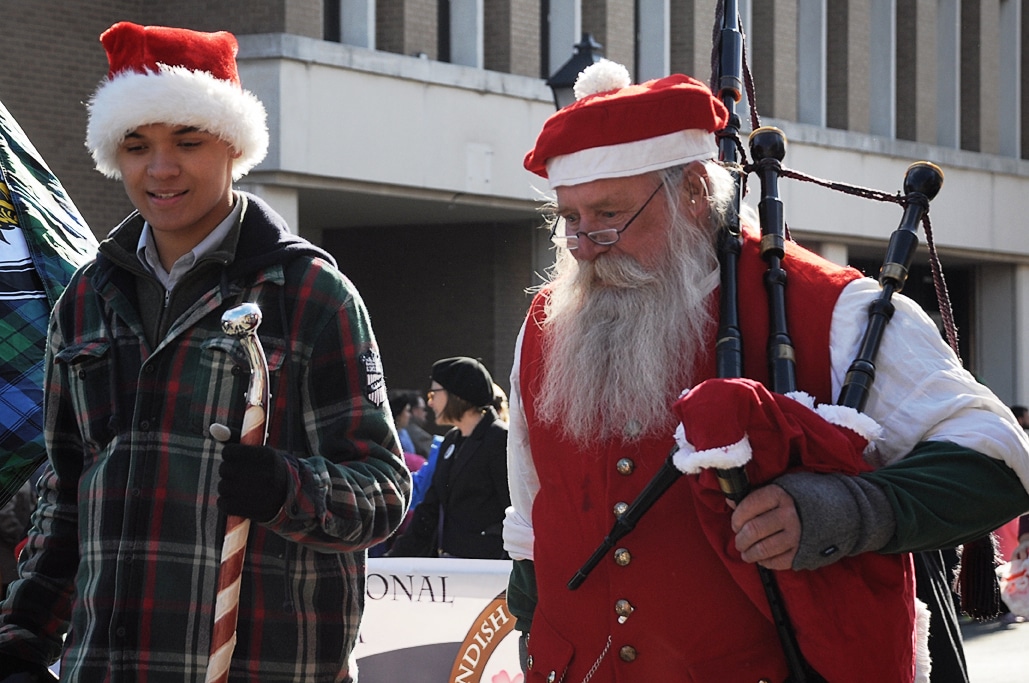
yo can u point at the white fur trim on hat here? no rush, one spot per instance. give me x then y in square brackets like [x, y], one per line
[631, 158]
[177, 96]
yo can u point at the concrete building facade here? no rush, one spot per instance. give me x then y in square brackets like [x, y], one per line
[398, 129]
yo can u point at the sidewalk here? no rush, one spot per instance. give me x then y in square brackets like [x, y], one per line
[996, 652]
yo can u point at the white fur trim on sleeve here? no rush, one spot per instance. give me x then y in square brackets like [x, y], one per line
[802, 397]
[851, 419]
[689, 460]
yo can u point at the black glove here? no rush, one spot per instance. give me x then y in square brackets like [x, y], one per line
[15, 670]
[253, 482]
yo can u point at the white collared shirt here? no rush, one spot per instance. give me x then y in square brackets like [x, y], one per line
[146, 249]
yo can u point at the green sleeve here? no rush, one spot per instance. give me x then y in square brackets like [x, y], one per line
[944, 495]
[521, 593]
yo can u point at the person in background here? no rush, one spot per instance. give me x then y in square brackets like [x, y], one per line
[1020, 551]
[145, 398]
[462, 514]
[1008, 534]
[628, 322]
[399, 400]
[400, 406]
[422, 479]
[1021, 414]
[500, 403]
[418, 428]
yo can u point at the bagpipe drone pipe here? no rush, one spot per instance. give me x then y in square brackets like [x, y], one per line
[922, 182]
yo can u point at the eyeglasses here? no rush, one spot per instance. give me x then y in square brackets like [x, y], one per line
[435, 391]
[604, 238]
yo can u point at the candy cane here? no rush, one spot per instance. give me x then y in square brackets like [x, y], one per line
[240, 323]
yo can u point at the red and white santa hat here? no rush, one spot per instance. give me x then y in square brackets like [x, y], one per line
[616, 129]
[160, 74]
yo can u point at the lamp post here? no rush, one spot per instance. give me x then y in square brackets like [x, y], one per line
[562, 81]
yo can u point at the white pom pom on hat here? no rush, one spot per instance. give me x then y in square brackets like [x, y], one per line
[160, 74]
[602, 76]
[617, 129]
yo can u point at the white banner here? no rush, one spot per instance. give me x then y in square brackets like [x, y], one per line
[430, 620]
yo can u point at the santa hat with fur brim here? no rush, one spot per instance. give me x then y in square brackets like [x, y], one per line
[160, 74]
[615, 129]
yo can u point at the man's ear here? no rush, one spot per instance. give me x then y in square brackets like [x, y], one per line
[695, 190]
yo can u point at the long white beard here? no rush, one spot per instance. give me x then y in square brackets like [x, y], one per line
[622, 342]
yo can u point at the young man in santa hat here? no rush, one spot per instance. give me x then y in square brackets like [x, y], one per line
[627, 322]
[124, 555]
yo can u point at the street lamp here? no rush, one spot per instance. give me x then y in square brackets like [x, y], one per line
[562, 81]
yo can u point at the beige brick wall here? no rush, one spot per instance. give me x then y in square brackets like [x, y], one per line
[916, 70]
[407, 27]
[45, 84]
[613, 25]
[989, 75]
[773, 57]
[526, 38]
[980, 84]
[497, 43]
[681, 55]
[421, 28]
[971, 67]
[239, 16]
[512, 37]
[304, 17]
[847, 69]
[389, 24]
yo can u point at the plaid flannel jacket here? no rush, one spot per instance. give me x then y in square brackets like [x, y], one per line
[125, 547]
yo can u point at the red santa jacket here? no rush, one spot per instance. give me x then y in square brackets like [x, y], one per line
[667, 604]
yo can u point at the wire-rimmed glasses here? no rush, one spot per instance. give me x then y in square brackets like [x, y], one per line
[604, 238]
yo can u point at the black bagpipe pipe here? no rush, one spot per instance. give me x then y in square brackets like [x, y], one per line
[767, 150]
[922, 182]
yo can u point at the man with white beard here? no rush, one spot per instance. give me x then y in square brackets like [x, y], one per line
[627, 322]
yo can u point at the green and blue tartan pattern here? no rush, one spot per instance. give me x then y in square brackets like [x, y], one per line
[58, 242]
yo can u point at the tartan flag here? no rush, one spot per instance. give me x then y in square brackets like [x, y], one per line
[43, 239]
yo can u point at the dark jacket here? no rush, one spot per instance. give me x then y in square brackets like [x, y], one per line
[469, 494]
[124, 555]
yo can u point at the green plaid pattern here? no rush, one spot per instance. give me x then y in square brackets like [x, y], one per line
[57, 241]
